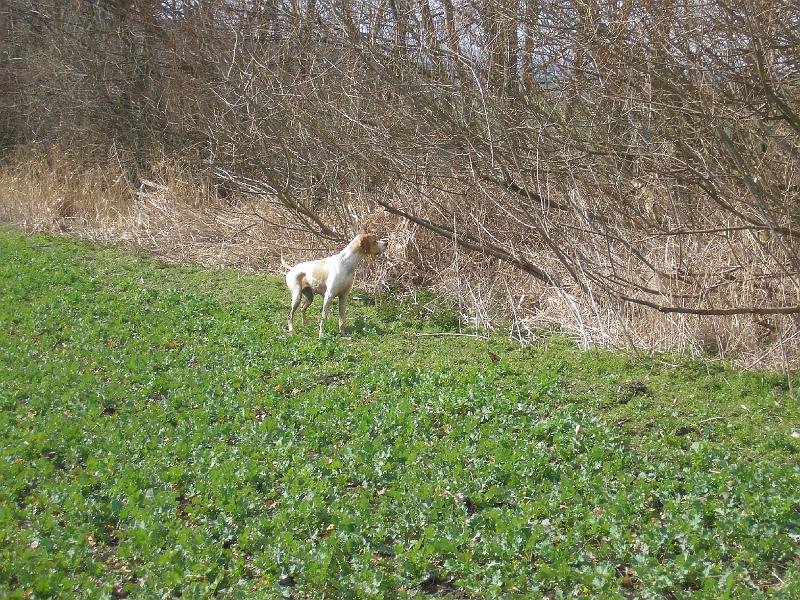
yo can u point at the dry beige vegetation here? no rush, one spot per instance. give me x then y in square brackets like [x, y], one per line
[179, 217]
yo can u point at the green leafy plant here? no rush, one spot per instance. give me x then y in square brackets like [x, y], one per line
[162, 434]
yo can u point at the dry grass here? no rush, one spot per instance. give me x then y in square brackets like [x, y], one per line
[178, 217]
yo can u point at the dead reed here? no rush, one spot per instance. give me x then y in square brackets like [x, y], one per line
[178, 217]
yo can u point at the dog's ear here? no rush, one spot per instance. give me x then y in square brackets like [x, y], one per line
[374, 245]
[368, 244]
[360, 242]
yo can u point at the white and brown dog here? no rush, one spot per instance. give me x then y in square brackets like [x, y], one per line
[331, 276]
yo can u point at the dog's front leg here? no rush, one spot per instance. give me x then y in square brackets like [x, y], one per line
[326, 305]
[342, 304]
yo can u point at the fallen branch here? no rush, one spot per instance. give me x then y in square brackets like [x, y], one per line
[710, 419]
[448, 334]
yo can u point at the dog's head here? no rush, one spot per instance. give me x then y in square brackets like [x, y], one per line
[370, 244]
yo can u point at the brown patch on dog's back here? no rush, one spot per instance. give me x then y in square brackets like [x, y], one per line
[319, 273]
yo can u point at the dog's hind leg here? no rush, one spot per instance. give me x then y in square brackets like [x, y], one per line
[296, 297]
[308, 298]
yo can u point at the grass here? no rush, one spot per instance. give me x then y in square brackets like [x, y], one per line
[161, 434]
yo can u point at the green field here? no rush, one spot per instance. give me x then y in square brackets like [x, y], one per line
[162, 435]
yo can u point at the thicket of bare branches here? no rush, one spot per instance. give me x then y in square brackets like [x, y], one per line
[626, 169]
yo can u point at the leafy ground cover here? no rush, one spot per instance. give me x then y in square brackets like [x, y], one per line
[161, 434]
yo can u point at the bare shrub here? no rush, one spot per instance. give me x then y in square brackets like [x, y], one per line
[626, 171]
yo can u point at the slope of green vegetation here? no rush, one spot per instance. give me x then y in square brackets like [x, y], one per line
[161, 434]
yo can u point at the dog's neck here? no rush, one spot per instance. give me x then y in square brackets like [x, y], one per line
[351, 255]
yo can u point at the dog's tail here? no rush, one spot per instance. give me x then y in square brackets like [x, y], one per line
[284, 264]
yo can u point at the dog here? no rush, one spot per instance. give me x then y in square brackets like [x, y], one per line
[331, 276]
